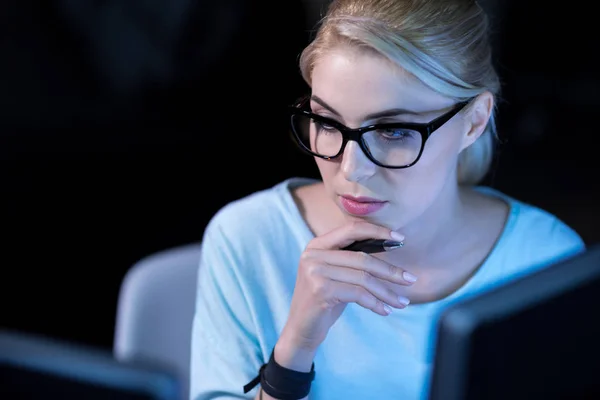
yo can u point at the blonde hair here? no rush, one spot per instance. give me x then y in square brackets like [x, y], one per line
[444, 43]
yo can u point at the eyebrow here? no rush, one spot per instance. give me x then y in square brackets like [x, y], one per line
[381, 114]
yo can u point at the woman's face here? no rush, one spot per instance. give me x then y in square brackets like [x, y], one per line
[351, 87]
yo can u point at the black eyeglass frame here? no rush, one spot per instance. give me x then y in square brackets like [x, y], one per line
[425, 129]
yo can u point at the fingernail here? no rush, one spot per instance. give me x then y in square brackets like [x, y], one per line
[392, 244]
[404, 301]
[409, 277]
[397, 236]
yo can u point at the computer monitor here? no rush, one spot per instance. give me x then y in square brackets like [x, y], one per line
[537, 337]
[35, 367]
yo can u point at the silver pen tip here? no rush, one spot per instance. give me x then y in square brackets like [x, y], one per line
[392, 245]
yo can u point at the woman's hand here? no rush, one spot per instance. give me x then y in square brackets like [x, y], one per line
[329, 278]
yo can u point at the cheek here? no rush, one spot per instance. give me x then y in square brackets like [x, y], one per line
[326, 168]
[420, 183]
[441, 152]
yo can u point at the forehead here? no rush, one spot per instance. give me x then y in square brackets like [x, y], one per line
[358, 82]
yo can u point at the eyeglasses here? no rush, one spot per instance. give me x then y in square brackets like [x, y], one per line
[393, 145]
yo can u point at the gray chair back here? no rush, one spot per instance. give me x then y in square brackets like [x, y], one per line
[155, 310]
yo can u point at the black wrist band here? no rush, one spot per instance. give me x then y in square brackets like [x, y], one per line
[282, 383]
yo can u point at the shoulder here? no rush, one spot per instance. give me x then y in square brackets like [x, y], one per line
[540, 229]
[262, 220]
[260, 210]
[535, 237]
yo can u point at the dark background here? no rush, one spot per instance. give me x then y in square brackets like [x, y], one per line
[125, 125]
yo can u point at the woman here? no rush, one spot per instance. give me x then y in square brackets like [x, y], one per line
[400, 121]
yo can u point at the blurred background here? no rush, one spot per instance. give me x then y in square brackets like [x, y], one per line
[124, 126]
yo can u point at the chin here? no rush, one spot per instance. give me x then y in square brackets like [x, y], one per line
[381, 219]
[393, 219]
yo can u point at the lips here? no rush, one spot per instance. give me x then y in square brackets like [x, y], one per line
[361, 206]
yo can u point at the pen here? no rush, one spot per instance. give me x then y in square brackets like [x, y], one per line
[374, 245]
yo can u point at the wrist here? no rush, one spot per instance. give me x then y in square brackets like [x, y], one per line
[291, 355]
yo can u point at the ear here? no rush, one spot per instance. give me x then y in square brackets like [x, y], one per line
[477, 117]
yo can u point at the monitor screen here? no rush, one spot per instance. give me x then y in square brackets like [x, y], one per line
[35, 367]
[536, 337]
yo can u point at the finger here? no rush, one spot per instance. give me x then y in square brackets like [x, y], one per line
[366, 263]
[349, 233]
[370, 283]
[348, 293]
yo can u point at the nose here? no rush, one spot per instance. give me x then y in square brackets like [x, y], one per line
[355, 165]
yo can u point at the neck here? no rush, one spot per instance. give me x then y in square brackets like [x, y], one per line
[433, 229]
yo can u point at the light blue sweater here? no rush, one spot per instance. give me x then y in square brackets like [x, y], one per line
[250, 253]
